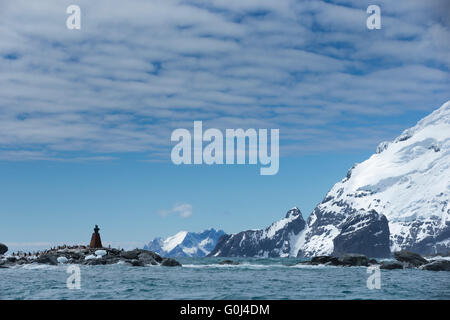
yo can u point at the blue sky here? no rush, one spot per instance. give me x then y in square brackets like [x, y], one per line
[86, 115]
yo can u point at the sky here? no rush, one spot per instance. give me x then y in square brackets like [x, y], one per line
[86, 115]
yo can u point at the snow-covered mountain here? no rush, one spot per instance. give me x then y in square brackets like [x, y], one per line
[186, 244]
[273, 241]
[397, 199]
[406, 180]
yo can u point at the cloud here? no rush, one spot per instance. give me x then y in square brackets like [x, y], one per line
[184, 210]
[137, 70]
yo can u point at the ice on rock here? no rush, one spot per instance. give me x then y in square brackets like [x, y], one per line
[62, 260]
[100, 253]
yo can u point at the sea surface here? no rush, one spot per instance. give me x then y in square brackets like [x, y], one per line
[204, 278]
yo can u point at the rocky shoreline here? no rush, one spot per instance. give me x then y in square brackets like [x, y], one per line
[404, 260]
[83, 255]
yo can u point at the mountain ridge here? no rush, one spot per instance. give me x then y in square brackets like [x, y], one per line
[398, 199]
[186, 244]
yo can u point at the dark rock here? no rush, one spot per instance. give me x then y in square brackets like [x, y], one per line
[411, 258]
[48, 259]
[111, 260]
[364, 232]
[150, 254]
[169, 262]
[352, 259]
[325, 260]
[373, 261]
[437, 265]
[3, 248]
[132, 254]
[95, 262]
[136, 263]
[391, 265]
[146, 258]
[114, 251]
[75, 256]
[11, 259]
[229, 262]
[7, 264]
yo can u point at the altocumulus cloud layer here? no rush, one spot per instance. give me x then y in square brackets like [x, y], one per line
[139, 69]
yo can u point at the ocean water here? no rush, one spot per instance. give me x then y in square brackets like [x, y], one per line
[204, 278]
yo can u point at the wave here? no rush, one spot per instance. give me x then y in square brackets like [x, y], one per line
[36, 266]
[238, 266]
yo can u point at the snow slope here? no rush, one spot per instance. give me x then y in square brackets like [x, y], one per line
[186, 244]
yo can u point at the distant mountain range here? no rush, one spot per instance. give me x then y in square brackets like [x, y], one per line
[397, 199]
[186, 244]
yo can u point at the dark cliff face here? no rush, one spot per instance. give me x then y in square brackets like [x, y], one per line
[364, 232]
[273, 241]
[361, 232]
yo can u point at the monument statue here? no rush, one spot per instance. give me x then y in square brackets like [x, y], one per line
[96, 241]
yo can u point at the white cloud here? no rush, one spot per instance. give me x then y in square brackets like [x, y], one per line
[184, 210]
[139, 69]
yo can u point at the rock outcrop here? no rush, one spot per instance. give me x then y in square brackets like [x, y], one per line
[437, 265]
[228, 262]
[169, 262]
[410, 258]
[346, 260]
[405, 260]
[391, 265]
[353, 259]
[83, 255]
[3, 248]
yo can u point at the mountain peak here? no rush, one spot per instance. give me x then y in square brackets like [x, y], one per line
[294, 212]
[186, 244]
